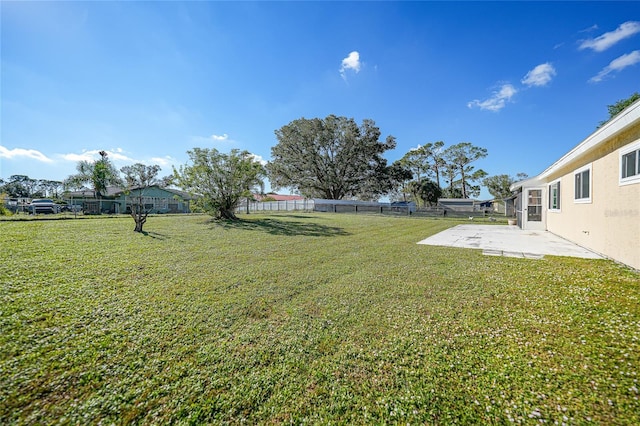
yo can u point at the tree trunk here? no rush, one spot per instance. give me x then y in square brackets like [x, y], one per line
[464, 184]
[227, 214]
[139, 225]
[139, 216]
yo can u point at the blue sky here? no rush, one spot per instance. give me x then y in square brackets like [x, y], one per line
[148, 81]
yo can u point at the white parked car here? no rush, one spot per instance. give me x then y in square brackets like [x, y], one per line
[43, 205]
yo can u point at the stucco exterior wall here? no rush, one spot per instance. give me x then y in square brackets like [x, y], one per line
[610, 223]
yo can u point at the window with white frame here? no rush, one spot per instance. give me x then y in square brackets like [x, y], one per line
[554, 196]
[582, 179]
[630, 164]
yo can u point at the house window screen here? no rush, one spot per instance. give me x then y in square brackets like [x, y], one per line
[582, 180]
[554, 196]
[631, 164]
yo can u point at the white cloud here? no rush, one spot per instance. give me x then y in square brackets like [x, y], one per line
[222, 141]
[85, 156]
[220, 138]
[606, 40]
[497, 101]
[617, 65]
[116, 154]
[591, 28]
[163, 161]
[259, 159]
[351, 62]
[540, 75]
[20, 152]
[119, 156]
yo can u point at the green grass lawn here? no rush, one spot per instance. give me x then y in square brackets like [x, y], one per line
[317, 318]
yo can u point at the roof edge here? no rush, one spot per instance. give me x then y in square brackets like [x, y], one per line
[617, 124]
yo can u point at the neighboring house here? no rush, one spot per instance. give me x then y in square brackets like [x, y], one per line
[505, 206]
[91, 204]
[155, 198]
[403, 206]
[591, 195]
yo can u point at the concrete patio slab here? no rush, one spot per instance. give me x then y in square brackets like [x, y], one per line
[503, 240]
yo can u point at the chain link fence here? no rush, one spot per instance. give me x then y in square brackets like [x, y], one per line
[363, 207]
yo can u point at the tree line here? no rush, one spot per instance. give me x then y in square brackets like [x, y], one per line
[335, 158]
[332, 158]
[22, 186]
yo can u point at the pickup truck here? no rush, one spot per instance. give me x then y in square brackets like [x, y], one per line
[43, 205]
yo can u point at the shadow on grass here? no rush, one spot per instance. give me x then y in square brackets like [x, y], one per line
[283, 227]
[154, 235]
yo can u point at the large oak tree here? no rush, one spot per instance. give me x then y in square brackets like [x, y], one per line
[331, 158]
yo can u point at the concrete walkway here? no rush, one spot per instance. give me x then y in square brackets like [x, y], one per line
[503, 240]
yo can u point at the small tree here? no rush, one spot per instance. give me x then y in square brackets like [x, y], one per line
[4, 211]
[399, 178]
[220, 180]
[139, 177]
[426, 190]
[499, 185]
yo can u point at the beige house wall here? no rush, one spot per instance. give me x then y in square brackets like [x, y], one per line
[610, 223]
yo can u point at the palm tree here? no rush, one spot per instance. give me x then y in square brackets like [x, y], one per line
[99, 174]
